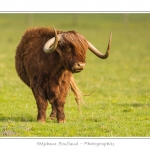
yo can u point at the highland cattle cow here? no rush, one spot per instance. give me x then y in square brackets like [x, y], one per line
[45, 61]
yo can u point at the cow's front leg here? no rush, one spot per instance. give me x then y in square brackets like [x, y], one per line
[41, 106]
[60, 111]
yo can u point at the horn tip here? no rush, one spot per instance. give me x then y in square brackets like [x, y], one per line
[110, 34]
[110, 37]
[54, 28]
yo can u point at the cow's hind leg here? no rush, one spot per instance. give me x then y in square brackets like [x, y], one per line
[57, 111]
[53, 113]
[41, 106]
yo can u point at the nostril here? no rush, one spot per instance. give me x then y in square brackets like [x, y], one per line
[81, 64]
[77, 67]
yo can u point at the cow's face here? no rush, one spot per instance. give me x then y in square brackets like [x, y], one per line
[72, 49]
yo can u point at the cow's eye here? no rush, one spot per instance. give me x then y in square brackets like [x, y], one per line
[68, 49]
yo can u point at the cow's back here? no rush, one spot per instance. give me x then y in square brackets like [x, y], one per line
[30, 60]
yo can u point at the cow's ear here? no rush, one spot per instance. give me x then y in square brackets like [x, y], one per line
[58, 50]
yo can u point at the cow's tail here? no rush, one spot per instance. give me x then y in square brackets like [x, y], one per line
[77, 93]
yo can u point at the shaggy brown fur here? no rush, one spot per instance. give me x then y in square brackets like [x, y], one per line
[50, 75]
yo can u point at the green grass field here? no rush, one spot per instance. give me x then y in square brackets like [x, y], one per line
[119, 105]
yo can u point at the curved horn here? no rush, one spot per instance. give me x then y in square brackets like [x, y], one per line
[51, 44]
[98, 53]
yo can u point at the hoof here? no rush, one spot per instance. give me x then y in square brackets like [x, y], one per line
[52, 118]
[41, 121]
[61, 121]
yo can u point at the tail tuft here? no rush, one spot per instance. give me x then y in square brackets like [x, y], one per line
[77, 93]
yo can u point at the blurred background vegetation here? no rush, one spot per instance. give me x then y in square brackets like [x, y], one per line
[119, 104]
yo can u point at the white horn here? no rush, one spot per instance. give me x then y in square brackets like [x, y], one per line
[97, 52]
[52, 43]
